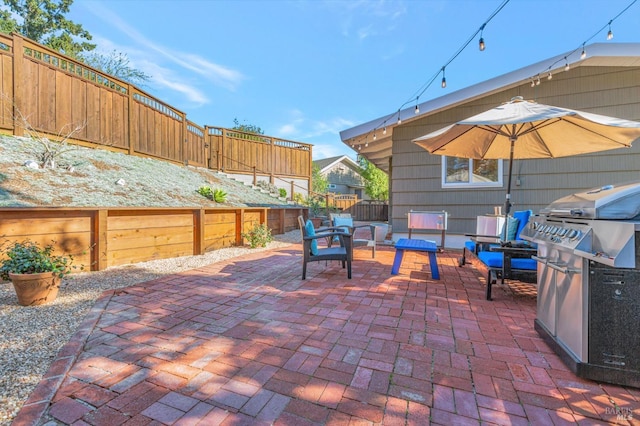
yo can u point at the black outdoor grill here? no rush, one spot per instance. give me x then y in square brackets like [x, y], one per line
[589, 281]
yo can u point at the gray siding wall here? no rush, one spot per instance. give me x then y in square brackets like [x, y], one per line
[416, 175]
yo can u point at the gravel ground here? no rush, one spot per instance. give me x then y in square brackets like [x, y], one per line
[30, 337]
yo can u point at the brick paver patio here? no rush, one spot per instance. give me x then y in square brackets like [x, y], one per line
[246, 341]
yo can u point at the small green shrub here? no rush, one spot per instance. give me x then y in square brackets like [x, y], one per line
[298, 198]
[283, 192]
[258, 236]
[217, 195]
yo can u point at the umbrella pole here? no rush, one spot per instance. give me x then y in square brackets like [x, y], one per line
[507, 202]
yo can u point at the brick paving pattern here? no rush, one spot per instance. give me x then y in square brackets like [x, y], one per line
[246, 341]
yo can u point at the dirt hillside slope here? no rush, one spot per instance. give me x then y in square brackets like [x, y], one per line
[88, 177]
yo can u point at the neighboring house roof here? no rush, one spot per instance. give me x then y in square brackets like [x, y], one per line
[378, 151]
[327, 164]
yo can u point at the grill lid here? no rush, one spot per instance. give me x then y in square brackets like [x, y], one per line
[613, 202]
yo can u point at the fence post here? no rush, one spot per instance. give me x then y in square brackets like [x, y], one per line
[18, 83]
[221, 149]
[292, 188]
[239, 227]
[184, 146]
[198, 231]
[100, 243]
[255, 178]
[326, 204]
[272, 162]
[130, 112]
[283, 218]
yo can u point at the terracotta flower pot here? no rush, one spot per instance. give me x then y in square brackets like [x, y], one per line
[35, 289]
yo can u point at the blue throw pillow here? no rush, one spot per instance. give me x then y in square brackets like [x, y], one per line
[512, 228]
[311, 231]
[523, 216]
[343, 221]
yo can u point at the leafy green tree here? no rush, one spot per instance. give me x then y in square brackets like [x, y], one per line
[319, 182]
[117, 65]
[44, 22]
[248, 128]
[376, 183]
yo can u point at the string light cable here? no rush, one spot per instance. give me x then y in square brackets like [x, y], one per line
[583, 53]
[424, 87]
[535, 79]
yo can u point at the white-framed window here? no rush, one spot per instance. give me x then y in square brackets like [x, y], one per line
[468, 173]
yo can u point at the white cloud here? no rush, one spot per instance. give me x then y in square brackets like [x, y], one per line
[301, 128]
[321, 151]
[362, 18]
[287, 130]
[217, 74]
[162, 77]
[305, 130]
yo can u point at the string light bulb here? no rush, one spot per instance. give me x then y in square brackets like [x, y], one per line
[481, 45]
[566, 65]
[399, 119]
[610, 33]
[444, 80]
[366, 144]
[384, 131]
[374, 136]
[538, 80]
[533, 83]
[584, 52]
[550, 76]
[417, 110]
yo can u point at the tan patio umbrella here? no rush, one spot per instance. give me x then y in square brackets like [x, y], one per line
[522, 129]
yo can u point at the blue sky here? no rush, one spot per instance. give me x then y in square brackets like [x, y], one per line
[305, 70]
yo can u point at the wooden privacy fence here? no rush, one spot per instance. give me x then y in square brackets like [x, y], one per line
[370, 211]
[362, 210]
[54, 92]
[101, 238]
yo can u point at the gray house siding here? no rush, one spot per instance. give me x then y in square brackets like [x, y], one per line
[415, 177]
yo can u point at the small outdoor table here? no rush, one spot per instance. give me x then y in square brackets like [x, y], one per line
[427, 246]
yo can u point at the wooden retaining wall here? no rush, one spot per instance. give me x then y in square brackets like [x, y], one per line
[102, 238]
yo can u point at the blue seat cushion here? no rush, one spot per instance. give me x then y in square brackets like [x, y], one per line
[311, 232]
[494, 259]
[470, 245]
[527, 264]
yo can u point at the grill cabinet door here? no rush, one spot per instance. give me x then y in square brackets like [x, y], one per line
[614, 318]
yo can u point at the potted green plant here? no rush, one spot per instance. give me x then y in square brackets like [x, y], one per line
[34, 271]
